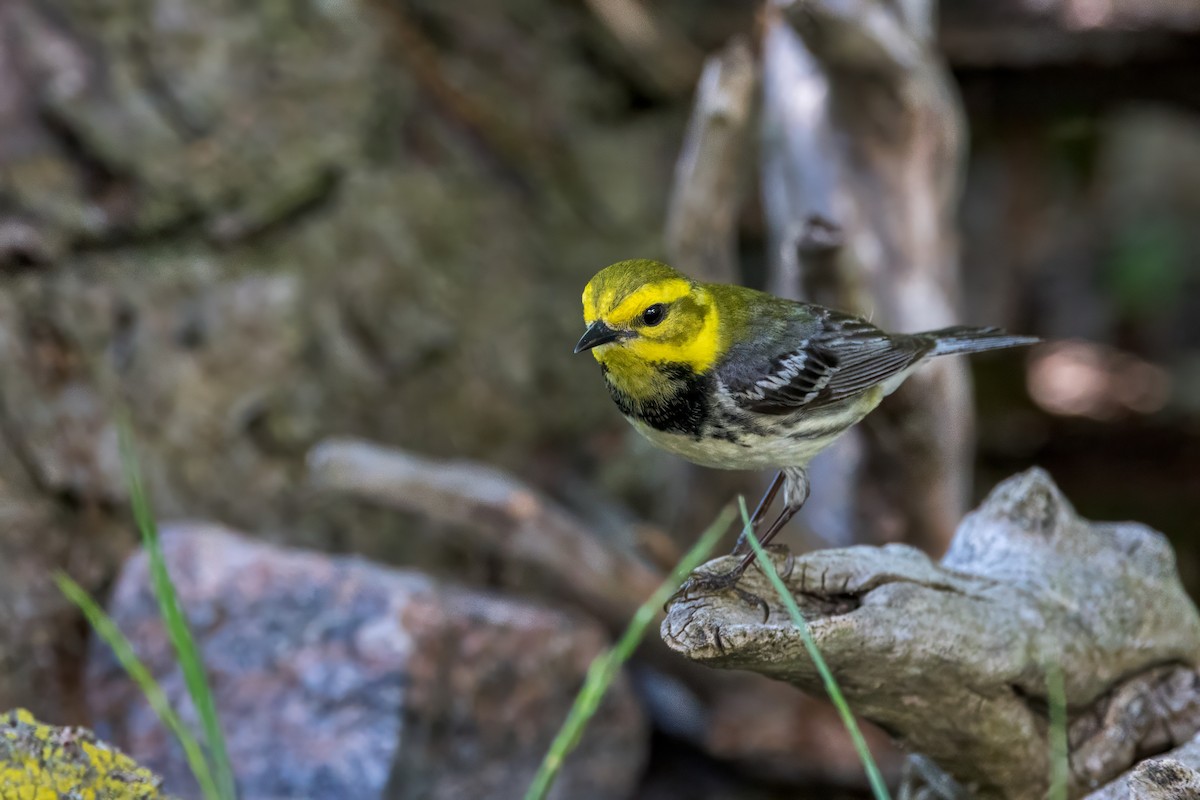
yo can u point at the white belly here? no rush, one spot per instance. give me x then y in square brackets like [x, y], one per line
[750, 451]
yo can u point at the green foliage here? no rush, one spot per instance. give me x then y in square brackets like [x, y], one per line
[107, 630]
[606, 666]
[211, 769]
[878, 787]
[1059, 765]
[1147, 268]
[176, 623]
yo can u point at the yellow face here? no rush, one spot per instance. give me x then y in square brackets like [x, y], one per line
[643, 314]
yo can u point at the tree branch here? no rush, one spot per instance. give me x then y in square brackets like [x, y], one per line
[711, 170]
[500, 514]
[860, 169]
[952, 657]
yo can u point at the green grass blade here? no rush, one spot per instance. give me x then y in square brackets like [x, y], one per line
[878, 787]
[1060, 768]
[107, 630]
[176, 624]
[606, 666]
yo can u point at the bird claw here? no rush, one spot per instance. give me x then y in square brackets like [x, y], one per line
[714, 582]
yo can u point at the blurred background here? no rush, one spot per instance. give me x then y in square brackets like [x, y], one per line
[252, 227]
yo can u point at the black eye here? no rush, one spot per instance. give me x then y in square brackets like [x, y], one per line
[654, 314]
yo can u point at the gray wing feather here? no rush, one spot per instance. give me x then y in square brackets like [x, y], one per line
[843, 357]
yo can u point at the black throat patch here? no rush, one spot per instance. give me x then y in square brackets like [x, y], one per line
[682, 407]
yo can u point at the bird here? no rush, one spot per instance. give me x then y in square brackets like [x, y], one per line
[730, 377]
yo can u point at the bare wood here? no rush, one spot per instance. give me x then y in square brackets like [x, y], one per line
[865, 34]
[658, 53]
[711, 170]
[861, 166]
[984, 33]
[953, 657]
[499, 513]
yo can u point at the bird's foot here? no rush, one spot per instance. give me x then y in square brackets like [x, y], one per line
[713, 582]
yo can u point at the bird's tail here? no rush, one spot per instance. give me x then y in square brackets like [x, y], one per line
[962, 339]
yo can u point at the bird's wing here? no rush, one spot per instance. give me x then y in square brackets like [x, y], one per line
[841, 357]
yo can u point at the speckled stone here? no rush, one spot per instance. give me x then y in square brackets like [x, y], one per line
[336, 677]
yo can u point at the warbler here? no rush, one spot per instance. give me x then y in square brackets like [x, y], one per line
[734, 378]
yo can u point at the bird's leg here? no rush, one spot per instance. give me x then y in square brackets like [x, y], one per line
[795, 494]
[795, 483]
[760, 514]
[785, 516]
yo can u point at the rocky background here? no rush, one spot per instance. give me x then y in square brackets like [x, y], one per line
[251, 227]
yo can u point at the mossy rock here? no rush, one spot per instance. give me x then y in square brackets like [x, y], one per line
[42, 762]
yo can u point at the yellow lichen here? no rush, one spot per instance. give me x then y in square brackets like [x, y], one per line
[41, 762]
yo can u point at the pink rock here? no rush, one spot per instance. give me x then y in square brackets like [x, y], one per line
[338, 678]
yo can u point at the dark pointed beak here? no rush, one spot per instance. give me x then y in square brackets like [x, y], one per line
[597, 334]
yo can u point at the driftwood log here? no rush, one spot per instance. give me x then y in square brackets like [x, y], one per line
[953, 657]
[500, 514]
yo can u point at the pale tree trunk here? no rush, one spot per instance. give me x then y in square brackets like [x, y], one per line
[861, 166]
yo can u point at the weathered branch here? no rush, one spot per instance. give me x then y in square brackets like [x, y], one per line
[499, 514]
[953, 657]
[860, 167]
[861, 34]
[657, 53]
[1029, 36]
[711, 170]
